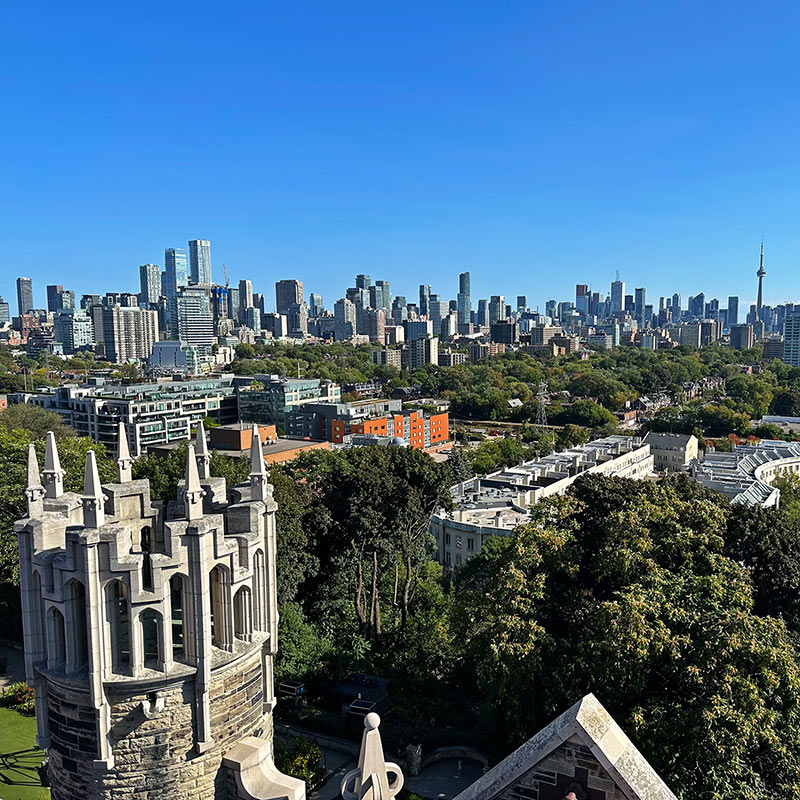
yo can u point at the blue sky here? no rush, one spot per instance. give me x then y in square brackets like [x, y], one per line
[536, 144]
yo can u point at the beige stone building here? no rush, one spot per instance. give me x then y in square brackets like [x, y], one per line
[672, 451]
[150, 632]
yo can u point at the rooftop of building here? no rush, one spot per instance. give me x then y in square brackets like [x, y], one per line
[740, 474]
[673, 439]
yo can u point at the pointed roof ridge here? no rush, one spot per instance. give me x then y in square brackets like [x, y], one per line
[123, 451]
[257, 465]
[52, 463]
[609, 744]
[91, 477]
[192, 475]
[371, 777]
[34, 479]
[200, 445]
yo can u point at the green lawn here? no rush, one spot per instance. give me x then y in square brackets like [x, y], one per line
[19, 758]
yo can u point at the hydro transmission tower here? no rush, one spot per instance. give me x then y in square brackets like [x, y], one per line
[541, 404]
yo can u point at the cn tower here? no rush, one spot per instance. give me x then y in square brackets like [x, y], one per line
[760, 274]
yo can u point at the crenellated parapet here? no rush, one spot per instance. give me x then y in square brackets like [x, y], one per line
[121, 601]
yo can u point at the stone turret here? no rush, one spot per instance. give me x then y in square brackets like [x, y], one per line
[201, 453]
[124, 460]
[34, 491]
[134, 622]
[53, 474]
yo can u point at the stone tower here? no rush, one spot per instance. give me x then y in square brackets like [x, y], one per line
[150, 632]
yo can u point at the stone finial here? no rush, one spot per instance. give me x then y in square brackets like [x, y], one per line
[124, 460]
[193, 495]
[201, 453]
[34, 491]
[259, 479]
[370, 779]
[53, 474]
[93, 499]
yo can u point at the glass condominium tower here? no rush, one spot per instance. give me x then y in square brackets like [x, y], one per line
[176, 269]
[199, 261]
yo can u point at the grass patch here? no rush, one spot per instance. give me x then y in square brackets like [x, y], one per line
[19, 758]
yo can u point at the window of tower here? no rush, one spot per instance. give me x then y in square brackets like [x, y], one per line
[151, 639]
[56, 639]
[220, 608]
[177, 594]
[118, 620]
[243, 614]
[259, 609]
[147, 565]
[77, 641]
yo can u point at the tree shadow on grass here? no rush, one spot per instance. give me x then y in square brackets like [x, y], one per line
[21, 768]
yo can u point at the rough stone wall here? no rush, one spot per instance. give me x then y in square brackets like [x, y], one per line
[552, 777]
[154, 759]
[73, 741]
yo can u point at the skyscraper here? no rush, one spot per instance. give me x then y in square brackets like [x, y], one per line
[424, 299]
[617, 295]
[463, 300]
[287, 293]
[315, 304]
[149, 283]
[497, 308]
[191, 320]
[482, 314]
[760, 275]
[363, 281]
[54, 292]
[791, 339]
[344, 314]
[199, 261]
[5, 312]
[245, 297]
[24, 295]
[733, 311]
[522, 303]
[639, 304]
[176, 269]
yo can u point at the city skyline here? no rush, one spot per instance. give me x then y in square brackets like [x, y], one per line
[516, 141]
[333, 287]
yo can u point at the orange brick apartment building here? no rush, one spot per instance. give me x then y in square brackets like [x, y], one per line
[379, 417]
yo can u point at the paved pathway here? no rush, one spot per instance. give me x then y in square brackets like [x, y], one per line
[16, 666]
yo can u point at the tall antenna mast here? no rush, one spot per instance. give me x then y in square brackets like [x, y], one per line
[225, 273]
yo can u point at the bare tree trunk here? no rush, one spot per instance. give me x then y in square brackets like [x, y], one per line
[375, 611]
[396, 582]
[406, 592]
[359, 602]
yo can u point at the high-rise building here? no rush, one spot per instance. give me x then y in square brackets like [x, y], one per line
[199, 261]
[639, 303]
[733, 311]
[741, 337]
[482, 314]
[380, 295]
[54, 292]
[363, 281]
[191, 320]
[245, 297]
[344, 314]
[5, 312]
[149, 284]
[522, 303]
[128, 333]
[233, 303]
[463, 300]
[424, 298]
[24, 295]
[73, 328]
[791, 339]
[497, 308]
[617, 296]
[697, 306]
[316, 308]
[287, 293]
[298, 319]
[176, 270]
